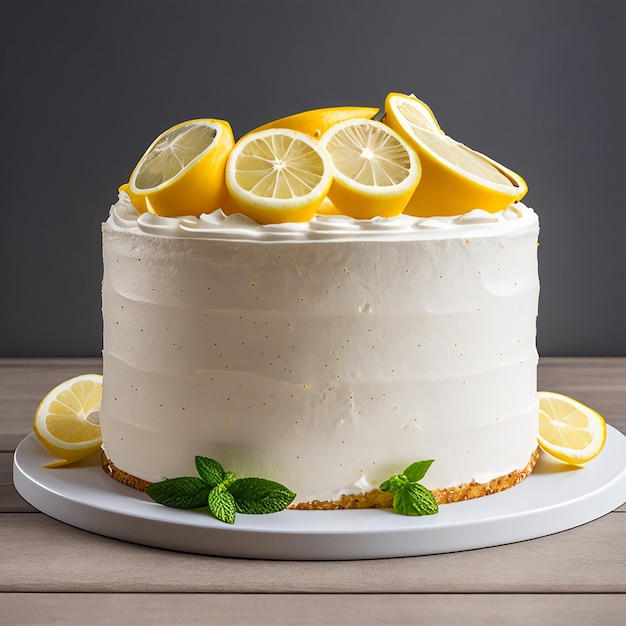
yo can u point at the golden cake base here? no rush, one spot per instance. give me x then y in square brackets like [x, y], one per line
[374, 499]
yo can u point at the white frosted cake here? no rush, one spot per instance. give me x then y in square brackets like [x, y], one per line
[326, 355]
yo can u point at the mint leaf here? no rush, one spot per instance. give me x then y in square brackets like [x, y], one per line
[395, 483]
[222, 504]
[187, 492]
[414, 499]
[211, 472]
[260, 496]
[222, 491]
[416, 471]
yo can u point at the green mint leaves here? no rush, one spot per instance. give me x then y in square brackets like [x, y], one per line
[225, 495]
[222, 492]
[409, 496]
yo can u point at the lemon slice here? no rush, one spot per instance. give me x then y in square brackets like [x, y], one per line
[317, 121]
[277, 175]
[455, 179]
[375, 171]
[67, 422]
[569, 430]
[182, 172]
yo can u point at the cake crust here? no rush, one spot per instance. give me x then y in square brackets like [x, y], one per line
[374, 499]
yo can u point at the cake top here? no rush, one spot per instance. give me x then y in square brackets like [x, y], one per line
[358, 162]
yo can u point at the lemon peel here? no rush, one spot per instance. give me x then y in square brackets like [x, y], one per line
[317, 121]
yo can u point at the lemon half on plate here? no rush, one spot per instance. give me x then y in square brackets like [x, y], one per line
[569, 430]
[67, 421]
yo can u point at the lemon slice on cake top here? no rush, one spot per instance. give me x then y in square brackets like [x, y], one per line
[277, 175]
[375, 171]
[455, 179]
[182, 172]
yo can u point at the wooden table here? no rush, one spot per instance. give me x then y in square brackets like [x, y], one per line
[53, 573]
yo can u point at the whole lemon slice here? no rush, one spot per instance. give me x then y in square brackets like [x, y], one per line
[317, 121]
[67, 423]
[375, 171]
[182, 172]
[455, 178]
[277, 175]
[569, 430]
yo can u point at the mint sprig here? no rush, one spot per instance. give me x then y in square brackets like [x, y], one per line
[409, 496]
[222, 492]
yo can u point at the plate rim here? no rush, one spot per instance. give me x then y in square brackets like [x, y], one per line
[517, 514]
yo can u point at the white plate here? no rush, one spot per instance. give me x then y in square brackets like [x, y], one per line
[553, 498]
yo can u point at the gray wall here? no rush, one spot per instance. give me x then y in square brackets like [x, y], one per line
[537, 85]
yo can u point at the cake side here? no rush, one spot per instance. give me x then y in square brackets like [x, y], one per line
[320, 356]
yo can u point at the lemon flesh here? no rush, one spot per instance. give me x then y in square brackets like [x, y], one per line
[172, 153]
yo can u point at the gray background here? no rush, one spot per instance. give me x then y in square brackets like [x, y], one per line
[537, 85]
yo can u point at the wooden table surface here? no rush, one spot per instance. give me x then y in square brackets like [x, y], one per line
[53, 573]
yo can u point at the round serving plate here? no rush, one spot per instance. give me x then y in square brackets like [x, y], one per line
[555, 497]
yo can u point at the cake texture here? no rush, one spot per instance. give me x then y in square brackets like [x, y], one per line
[325, 355]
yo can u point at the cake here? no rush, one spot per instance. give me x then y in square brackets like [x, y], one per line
[327, 354]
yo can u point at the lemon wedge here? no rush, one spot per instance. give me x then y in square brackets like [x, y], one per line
[569, 430]
[66, 421]
[277, 175]
[455, 179]
[317, 121]
[375, 171]
[182, 172]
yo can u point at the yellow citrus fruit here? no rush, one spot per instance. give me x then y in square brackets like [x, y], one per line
[67, 422]
[455, 178]
[182, 172]
[375, 171]
[569, 430]
[139, 202]
[277, 175]
[327, 208]
[317, 121]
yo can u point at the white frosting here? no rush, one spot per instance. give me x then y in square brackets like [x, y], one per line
[238, 227]
[327, 355]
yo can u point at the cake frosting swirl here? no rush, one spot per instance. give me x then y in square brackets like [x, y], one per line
[218, 225]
